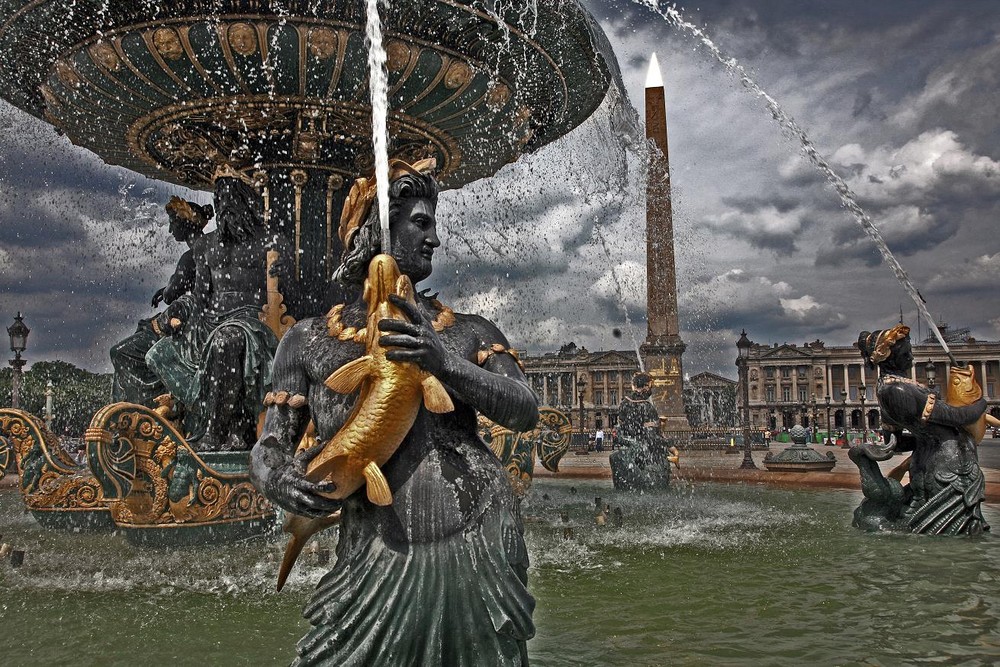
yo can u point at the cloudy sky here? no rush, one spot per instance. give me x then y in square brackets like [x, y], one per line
[900, 97]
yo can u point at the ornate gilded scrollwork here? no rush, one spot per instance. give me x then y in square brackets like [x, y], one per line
[154, 479]
[549, 441]
[6, 456]
[50, 481]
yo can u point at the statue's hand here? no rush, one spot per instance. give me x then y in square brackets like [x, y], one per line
[158, 297]
[417, 341]
[281, 477]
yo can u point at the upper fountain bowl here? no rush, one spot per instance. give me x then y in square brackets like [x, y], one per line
[173, 89]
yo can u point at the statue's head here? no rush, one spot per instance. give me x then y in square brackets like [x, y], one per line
[888, 348]
[413, 193]
[239, 207]
[187, 219]
[642, 384]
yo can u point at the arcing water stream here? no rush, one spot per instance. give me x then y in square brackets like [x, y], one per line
[378, 87]
[847, 197]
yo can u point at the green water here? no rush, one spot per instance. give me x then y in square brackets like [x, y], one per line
[706, 575]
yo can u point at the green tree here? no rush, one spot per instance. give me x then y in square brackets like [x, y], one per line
[77, 394]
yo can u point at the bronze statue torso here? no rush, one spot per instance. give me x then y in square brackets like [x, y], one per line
[236, 273]
[441, 449]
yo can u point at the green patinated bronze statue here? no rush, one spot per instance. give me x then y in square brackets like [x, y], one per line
[134, 381]
[451, 539]
[946, 487]
[215, 354]
[642, 462]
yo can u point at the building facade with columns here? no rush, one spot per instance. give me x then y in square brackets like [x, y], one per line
[599, 380]
[807, 384]
[604, 378]
[710, 401]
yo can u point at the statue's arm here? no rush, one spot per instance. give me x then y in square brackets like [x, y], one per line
[950, 415]
[184, 306]
[182, 280]
[497, 388]
[907, 404]
[275, 467]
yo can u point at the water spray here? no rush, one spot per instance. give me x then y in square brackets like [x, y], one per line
[847, 196]
[378, 86]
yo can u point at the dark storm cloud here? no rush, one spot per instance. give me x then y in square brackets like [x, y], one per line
[875, 75]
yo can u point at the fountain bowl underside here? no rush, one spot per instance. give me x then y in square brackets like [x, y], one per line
[172, 90]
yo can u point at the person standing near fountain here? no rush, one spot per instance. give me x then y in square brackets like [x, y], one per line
[134, 382]
[946, 485]
[215, 356]
[440, 575]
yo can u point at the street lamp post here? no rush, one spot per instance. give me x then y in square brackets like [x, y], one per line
[828, 440]
[843, 399]
[18, 333]
[743, 346]
[863, 392]
[581, 384]
[815, 421]
[931, 374]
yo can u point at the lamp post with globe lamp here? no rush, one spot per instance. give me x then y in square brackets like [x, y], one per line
[743, 346]
[18, 333]
[843, 400]
[829, 441]
[863, 393]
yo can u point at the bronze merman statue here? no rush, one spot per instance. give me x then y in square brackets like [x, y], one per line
[946, 485]
[215, 355]
[641, 463]
[134, 382]
[439, 575]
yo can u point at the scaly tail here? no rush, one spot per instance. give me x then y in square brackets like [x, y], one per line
[300, 529]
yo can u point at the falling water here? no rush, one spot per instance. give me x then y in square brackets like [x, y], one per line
[621, 295]
[379, 87]
[847, 197]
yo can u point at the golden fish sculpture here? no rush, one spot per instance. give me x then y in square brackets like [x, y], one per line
[392, 393]
[964, 390]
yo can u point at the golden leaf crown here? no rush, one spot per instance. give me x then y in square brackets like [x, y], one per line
[183, 211]
[359, 200]
[884, 340]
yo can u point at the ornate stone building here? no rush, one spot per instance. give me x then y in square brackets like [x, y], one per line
[710, 400]
[791, 384]
[603, 378]
[573, 375]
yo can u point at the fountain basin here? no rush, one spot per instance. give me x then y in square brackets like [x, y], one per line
[691, 577]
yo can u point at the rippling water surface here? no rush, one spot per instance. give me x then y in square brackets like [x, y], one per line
[703, 575]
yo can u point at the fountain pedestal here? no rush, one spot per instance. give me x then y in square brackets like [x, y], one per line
[799, 457]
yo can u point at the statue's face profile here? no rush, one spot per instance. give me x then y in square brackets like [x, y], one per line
[413, 231]
[178, 229]
[902, 354]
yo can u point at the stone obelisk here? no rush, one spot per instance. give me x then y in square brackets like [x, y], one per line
[662, 350]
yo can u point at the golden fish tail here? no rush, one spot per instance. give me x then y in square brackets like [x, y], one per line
[300, 529]
[292, 551]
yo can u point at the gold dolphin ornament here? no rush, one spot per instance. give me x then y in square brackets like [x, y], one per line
[391, 395]
[964, 390]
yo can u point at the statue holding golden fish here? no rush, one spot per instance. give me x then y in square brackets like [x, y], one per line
[428, 520]
[946, 485]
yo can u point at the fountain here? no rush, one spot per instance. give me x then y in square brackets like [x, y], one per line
[275, 95]
[799, 457]
[630, 591]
